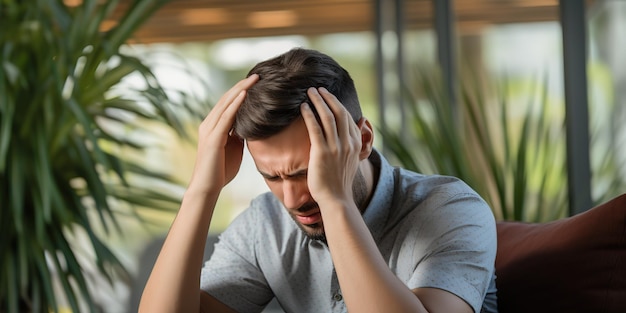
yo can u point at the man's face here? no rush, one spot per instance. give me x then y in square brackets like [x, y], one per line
[283, 161]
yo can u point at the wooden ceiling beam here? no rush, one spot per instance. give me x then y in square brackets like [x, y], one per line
[210, 20]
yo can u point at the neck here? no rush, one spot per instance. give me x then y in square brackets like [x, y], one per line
[370, 175]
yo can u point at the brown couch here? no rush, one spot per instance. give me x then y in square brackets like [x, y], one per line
[576, 264]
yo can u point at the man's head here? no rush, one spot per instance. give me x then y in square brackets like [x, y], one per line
[270, 121]
[273, 103]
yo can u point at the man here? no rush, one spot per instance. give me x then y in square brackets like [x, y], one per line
[340, 231]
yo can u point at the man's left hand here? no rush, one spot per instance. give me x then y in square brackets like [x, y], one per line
[335, 146]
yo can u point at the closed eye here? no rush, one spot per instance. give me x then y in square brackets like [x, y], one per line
[272, 178]
[298, 175]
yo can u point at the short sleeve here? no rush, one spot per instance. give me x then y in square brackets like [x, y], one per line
[459, 236]
[232, 274]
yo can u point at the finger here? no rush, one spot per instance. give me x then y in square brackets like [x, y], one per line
[355, 134]
[225, 123]
[327, 118]
[227, 99]
[333, 103]
[316, 135]
[231, 94]
[342, 116]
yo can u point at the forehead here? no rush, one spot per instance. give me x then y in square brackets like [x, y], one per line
[285, 151]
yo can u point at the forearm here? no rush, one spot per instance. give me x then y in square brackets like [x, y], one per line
[367, 283]
[173, 285]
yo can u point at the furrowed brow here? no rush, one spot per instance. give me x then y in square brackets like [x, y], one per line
[267, 176]
[297, 173]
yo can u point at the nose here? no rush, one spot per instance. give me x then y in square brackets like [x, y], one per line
[295, 193]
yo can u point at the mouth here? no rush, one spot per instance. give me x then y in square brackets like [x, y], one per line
[309, 219]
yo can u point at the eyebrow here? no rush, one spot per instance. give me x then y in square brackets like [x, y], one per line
[296, 173]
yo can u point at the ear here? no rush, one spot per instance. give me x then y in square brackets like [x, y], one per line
[367, 138]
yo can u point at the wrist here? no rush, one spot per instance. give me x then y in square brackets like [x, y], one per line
[201, 191]
[333, 205]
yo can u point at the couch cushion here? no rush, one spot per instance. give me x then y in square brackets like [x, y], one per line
[576, 264]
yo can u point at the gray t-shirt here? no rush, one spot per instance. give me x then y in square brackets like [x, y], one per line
[433, 231]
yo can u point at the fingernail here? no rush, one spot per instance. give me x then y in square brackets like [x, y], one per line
[305, 105]
[322, 89]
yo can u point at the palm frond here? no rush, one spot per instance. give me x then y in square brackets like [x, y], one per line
[61, 173]
[513, 158]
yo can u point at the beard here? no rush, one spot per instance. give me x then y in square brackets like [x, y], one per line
[316, 231]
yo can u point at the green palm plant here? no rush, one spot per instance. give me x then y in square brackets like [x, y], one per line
[510, 151]
[61, 170]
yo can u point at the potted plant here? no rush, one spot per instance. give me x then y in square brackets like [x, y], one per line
[61, 170]
[506, 140]
[510, 150]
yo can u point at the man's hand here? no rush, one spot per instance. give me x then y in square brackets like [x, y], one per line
[335, 147]
[173, 283]
[219, 150]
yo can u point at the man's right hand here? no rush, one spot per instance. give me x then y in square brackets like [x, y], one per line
[173, 283]
[219, 150]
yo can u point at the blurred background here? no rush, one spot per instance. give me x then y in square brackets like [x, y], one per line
[523, 99]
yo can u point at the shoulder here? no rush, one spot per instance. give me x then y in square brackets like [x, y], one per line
[435, 204]
[432, 192]
[432, 186]
[447, 234]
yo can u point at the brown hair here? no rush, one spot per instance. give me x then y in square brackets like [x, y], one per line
[273, 103]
